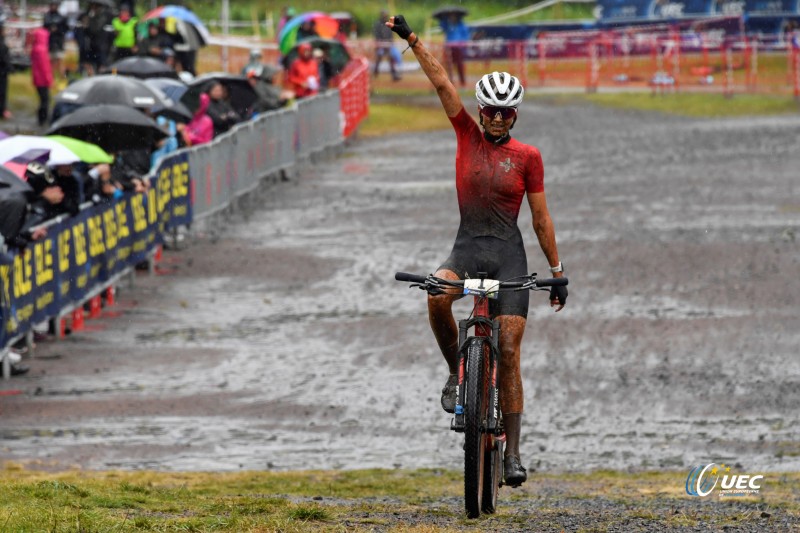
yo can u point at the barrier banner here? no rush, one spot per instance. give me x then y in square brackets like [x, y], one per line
[79, 255]
[172, 179]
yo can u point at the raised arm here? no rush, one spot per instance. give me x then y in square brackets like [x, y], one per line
[447, 92]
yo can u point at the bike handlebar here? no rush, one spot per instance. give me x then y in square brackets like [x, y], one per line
[413, 278]
[529, 283]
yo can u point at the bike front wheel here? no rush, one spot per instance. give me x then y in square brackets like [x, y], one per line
[476, 403]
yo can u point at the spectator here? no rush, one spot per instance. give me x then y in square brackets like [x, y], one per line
[155, 43]
[13, 210]
[254, 62]
[72, 183]
[201, 128]
[270, 97]
[456, 34]
[324, 67]
[130, 168]
[100, 187]
[383, 45]
[98, 24]
[56, 24]
[5, 70]
[85, 61]
[220, 110]
[124, 33]
[168, 144]
[287, 13]
[45, 199]
[306, 30]
[168, 56]
[41, 71]
[304, 73]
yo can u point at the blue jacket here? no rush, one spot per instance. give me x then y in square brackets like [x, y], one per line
[454, 33]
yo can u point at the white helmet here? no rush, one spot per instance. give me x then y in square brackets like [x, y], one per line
[499, 89]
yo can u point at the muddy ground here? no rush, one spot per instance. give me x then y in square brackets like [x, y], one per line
[283, 342]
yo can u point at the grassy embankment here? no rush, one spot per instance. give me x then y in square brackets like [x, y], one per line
[300, 501]
[404, 111]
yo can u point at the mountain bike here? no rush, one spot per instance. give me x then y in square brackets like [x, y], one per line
[477, 413]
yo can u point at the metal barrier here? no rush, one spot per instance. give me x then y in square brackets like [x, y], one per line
[188, 184]
[234, 163]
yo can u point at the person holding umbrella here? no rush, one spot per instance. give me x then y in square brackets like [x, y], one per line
[456, 35]
[304, 72]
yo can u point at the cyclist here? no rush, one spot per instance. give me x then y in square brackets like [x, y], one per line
[493, 174]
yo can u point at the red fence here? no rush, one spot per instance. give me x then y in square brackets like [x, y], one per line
[354, 93]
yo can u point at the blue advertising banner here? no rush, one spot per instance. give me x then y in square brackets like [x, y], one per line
[772, 7]
[174, 191]
[654, 9]
[79, 255]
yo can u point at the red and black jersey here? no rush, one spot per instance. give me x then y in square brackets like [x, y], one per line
[492, 180]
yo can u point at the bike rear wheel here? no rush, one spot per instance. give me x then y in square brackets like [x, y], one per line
[476, 403]
[493, 474]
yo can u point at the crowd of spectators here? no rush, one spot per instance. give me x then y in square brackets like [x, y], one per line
[102, 37]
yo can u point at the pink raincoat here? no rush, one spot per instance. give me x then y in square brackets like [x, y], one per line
[40, 58]
[200, 129]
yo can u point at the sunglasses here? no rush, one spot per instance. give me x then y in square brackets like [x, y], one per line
[505, 113]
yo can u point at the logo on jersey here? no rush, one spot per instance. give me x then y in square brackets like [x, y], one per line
[507, 164]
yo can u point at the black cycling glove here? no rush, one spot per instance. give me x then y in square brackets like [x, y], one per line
[559, 293]
[401, 26]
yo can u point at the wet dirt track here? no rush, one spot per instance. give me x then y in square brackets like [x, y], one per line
[286, 344]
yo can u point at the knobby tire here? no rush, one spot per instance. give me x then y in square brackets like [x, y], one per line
[493, 474]
[476, 403]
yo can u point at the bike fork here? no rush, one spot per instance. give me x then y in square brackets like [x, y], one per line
[492, 422]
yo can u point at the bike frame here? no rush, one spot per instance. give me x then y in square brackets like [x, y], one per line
[489, 330]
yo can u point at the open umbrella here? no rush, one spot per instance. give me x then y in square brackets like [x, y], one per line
[110, 89]
[446, 11]
[241, 94]
[174, 89]
[62, 150]
[337, 53]
[112, 127]
[177, 112]
[19, 163]
[143, 67]
[10, 181]
[184, 18]
[325, 26]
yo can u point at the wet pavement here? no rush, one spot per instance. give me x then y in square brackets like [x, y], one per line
[286, 344]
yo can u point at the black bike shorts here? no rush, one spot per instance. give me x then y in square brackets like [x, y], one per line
[501, 260]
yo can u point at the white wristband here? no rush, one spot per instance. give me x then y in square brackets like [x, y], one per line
[556, 269]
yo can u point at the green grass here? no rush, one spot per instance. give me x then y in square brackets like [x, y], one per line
[391, 118]
[336, 501]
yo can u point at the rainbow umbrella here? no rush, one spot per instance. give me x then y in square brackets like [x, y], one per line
[185, 19]
[325, 26]
[58, 150]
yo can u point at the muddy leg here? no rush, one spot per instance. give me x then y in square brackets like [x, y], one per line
[440, 316]
[511, 398]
